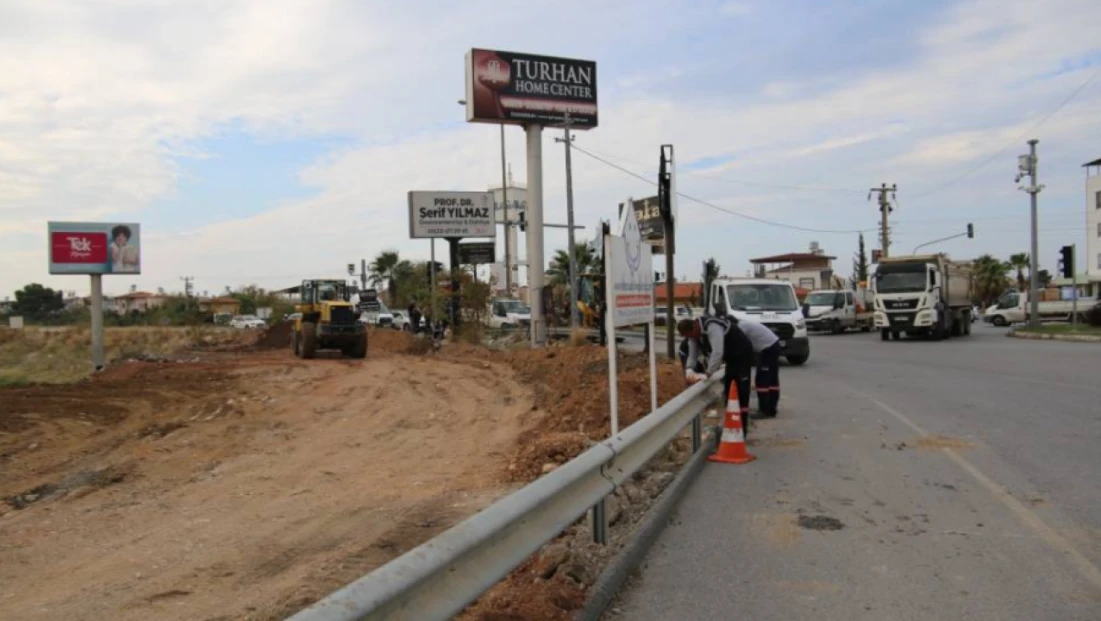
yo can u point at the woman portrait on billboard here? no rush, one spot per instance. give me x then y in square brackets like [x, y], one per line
[124, 255]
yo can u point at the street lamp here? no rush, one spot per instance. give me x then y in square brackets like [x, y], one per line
[504, 202]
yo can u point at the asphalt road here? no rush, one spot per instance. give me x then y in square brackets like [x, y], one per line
[902, 480]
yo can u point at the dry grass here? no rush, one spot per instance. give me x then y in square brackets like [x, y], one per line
[63, 355]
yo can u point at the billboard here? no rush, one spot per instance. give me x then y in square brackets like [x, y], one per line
[94, 247]
[477, 253]
[508, 87]
[451, 214]
[650, 225]
[630, 275]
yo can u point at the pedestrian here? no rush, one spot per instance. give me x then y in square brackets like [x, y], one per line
[767, 347]
[713, 342]
[414, 318]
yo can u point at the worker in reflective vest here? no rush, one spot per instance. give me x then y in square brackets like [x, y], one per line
[720, 340]
[767, 347]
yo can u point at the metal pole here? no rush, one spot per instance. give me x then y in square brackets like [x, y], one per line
[432, 282]
[1033, 289]
[569, 231]
[1074, 285]
[535, 233]
[504, 201]
[97, 322]
[885, 241]
[453, 244]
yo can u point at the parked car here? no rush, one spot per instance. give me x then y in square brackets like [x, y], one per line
[247, 322]
[292, 317]
[401, 321]
[680, 312]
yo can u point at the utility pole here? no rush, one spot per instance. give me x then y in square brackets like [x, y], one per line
[885, 208]
[1026, 167]
[187, 280]
[568, 141]
[363, 273]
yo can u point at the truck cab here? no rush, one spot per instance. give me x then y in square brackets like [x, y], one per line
[837, 310]
[769, 302]
[506, 313]
[922, 295]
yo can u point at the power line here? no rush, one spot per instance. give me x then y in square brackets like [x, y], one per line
[741, 182]
[716, 207]
[1012, 142]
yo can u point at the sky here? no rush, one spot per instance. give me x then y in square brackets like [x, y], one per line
[263, 142]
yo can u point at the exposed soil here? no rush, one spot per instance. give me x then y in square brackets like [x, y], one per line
[242, 483]
[242, 487]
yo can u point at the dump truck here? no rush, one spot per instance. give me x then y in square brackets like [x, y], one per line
[328, 320]
[922, 295]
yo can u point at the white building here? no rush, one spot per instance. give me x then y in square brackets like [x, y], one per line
[1092, 258]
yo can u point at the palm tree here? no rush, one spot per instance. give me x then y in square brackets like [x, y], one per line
[382, 271]
[991, 278]
[559, 270]
[1020, 262]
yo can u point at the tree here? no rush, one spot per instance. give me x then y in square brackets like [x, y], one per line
[991, 277]
[1020, 262]
[559, 270]
[36, 302]
[860, 263]
[381, 271]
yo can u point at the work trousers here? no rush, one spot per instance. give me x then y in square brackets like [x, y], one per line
[768, 380]
[741, 379]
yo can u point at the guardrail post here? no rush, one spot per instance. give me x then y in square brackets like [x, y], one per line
[697, 433]
[600, 523]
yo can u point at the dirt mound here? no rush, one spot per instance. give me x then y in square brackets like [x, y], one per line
[393, 341]
[276, 337]
[571, 397]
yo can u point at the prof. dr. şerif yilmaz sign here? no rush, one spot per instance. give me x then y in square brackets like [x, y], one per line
[451, 214]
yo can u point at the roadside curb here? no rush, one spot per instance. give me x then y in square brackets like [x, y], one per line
[614, 576]
[1072, 338]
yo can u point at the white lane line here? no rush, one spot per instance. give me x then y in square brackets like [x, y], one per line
[1088, 570]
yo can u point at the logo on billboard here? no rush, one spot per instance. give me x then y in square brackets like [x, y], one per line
[633, 241]
[94, 248]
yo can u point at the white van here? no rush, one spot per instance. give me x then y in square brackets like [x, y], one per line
[771, 302]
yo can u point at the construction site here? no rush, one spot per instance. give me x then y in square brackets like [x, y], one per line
[210, 474]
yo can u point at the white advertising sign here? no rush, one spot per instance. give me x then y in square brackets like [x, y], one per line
[630, 275]
[451, 214]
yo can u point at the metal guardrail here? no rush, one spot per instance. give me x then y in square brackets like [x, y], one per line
[439, 578]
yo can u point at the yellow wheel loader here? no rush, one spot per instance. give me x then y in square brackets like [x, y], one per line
[328, 321]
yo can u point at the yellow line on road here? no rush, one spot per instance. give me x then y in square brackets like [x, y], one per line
[1087, 569]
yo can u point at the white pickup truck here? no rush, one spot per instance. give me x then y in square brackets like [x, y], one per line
[839, 310]
[1013, 307]
[507, 313]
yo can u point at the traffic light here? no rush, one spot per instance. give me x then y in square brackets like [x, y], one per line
[1066, 261]
[970, 231]
[523, 223]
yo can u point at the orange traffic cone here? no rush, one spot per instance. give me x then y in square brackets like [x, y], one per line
[732, 444]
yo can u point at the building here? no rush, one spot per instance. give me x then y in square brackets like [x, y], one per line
[221, 306]
[139, 302]
[684, 293]
[805, 270]
[1092, 255]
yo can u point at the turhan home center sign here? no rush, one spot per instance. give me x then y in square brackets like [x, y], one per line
[509, 87]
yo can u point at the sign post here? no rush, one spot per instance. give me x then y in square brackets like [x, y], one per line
[95, 248]
[629, 282]
[452, 216]
[532, 91]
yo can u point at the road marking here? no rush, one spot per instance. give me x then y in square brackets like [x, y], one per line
[1087, 569]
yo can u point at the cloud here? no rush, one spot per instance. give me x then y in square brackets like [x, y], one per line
[98, 102]
[734, 8]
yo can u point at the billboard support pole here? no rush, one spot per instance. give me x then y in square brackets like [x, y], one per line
[432, 283]
[453, 306]
[535, 233]
[97, 321]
